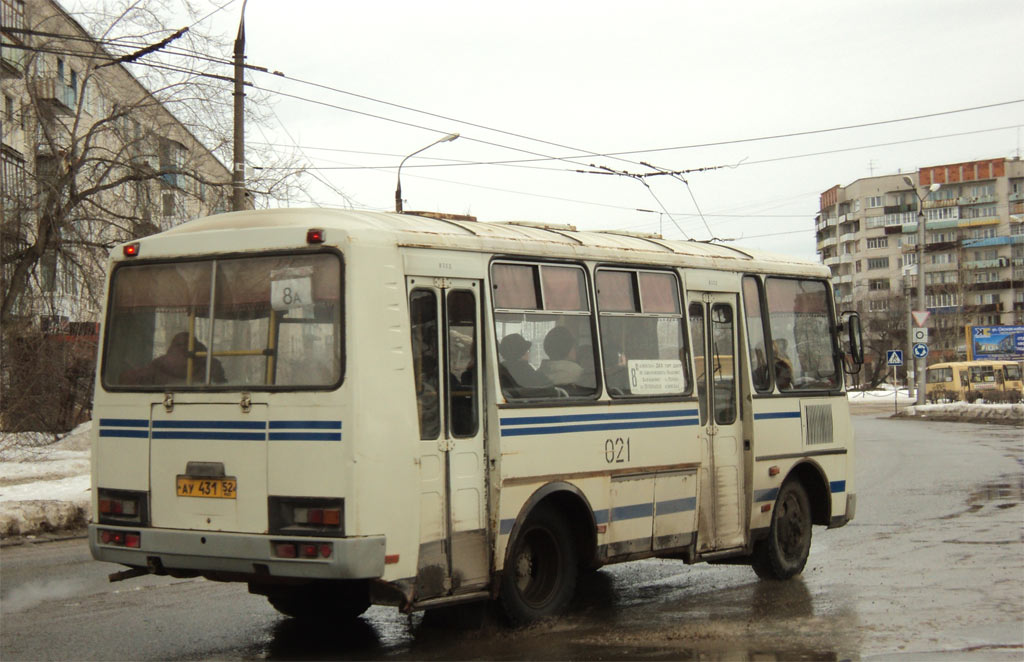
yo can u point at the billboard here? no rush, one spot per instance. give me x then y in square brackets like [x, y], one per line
[997, 343]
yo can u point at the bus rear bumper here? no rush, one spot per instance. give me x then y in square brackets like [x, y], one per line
[214, 552]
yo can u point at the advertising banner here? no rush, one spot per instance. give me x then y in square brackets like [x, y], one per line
[997, 343]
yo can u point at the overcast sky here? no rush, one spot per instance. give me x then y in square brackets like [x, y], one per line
[650, 79]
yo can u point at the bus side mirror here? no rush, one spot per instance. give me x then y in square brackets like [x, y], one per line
[854, 337]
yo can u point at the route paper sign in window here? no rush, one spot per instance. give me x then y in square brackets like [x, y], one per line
[291, 290]
[656, 377]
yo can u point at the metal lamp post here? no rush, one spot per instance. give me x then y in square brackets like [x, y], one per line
[919, 369]
[398, 189]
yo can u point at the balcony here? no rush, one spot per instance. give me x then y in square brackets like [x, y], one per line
[834, 259]
[54, 92]
[934, 204]
[900, 209]
[996, 263]
[849, 236]
[979, 200]
[12, 60]
[12, 14]
[991, 285]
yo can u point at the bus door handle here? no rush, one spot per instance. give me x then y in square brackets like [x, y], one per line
[445, 445]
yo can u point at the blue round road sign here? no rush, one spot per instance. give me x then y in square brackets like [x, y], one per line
[920, 350]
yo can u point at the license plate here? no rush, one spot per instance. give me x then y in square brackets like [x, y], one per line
[210, 488]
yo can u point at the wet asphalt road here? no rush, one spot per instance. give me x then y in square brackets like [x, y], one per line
[933, 566]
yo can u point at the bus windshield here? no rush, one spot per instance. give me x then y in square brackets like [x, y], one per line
[268, 321]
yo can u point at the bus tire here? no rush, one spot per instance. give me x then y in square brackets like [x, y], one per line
[322, 602]
[783, 553]
[540, 577]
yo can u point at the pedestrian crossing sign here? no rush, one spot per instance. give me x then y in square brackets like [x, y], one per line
[894, 357]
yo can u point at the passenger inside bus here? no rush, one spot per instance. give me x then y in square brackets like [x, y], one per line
[516, 371]
[561, 367]
[173, 366]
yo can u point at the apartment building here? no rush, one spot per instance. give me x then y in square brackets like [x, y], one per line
[974, 248]
[89, 158]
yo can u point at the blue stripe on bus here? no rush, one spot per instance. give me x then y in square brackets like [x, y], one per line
[305, 436]
[305, 425]
[221, 430]
[593, 427]
[207, 425]
[776, 414]
[572, 418]
[766, 495]
[623, 513]
[206, 435]
[676, 506]
[837, 486]
[128, 434]
[124, 422]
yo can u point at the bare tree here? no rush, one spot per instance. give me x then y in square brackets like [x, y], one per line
[116, 127]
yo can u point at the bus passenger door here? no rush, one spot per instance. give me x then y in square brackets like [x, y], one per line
[714, 345]
[445, 325]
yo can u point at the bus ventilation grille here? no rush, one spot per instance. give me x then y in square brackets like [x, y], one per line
[817, 424]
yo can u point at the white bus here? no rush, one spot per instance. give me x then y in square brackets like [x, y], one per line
[342, 408]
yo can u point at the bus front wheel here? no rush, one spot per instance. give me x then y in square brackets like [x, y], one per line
[783, 553]
[540, 577]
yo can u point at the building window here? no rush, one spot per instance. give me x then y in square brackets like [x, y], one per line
[878, 263]
[877, 284]
[876, 201]
[878, 242]
[172, 163]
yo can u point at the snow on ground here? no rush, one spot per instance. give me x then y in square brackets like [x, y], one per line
[44, 487]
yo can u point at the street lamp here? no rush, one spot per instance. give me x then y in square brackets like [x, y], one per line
[398, 189]
[919, 368]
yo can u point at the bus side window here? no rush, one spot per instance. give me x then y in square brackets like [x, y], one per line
[544, 331]
[642, 332]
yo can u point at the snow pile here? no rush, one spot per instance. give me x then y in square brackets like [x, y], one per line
[995, 413]
[44, 486]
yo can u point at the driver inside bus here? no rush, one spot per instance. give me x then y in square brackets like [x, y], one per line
[172, 367]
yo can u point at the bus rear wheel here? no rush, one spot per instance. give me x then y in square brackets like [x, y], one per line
[540, 577]
[783, 553]
[324, 602]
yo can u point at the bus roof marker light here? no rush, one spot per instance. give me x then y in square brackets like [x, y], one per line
[132, 249]
[314, 236]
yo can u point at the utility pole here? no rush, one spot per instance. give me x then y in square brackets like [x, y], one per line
[238, 169]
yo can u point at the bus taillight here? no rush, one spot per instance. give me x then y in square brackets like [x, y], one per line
[302, 550]
[310, 516]
[122, 507]
[131, 539]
